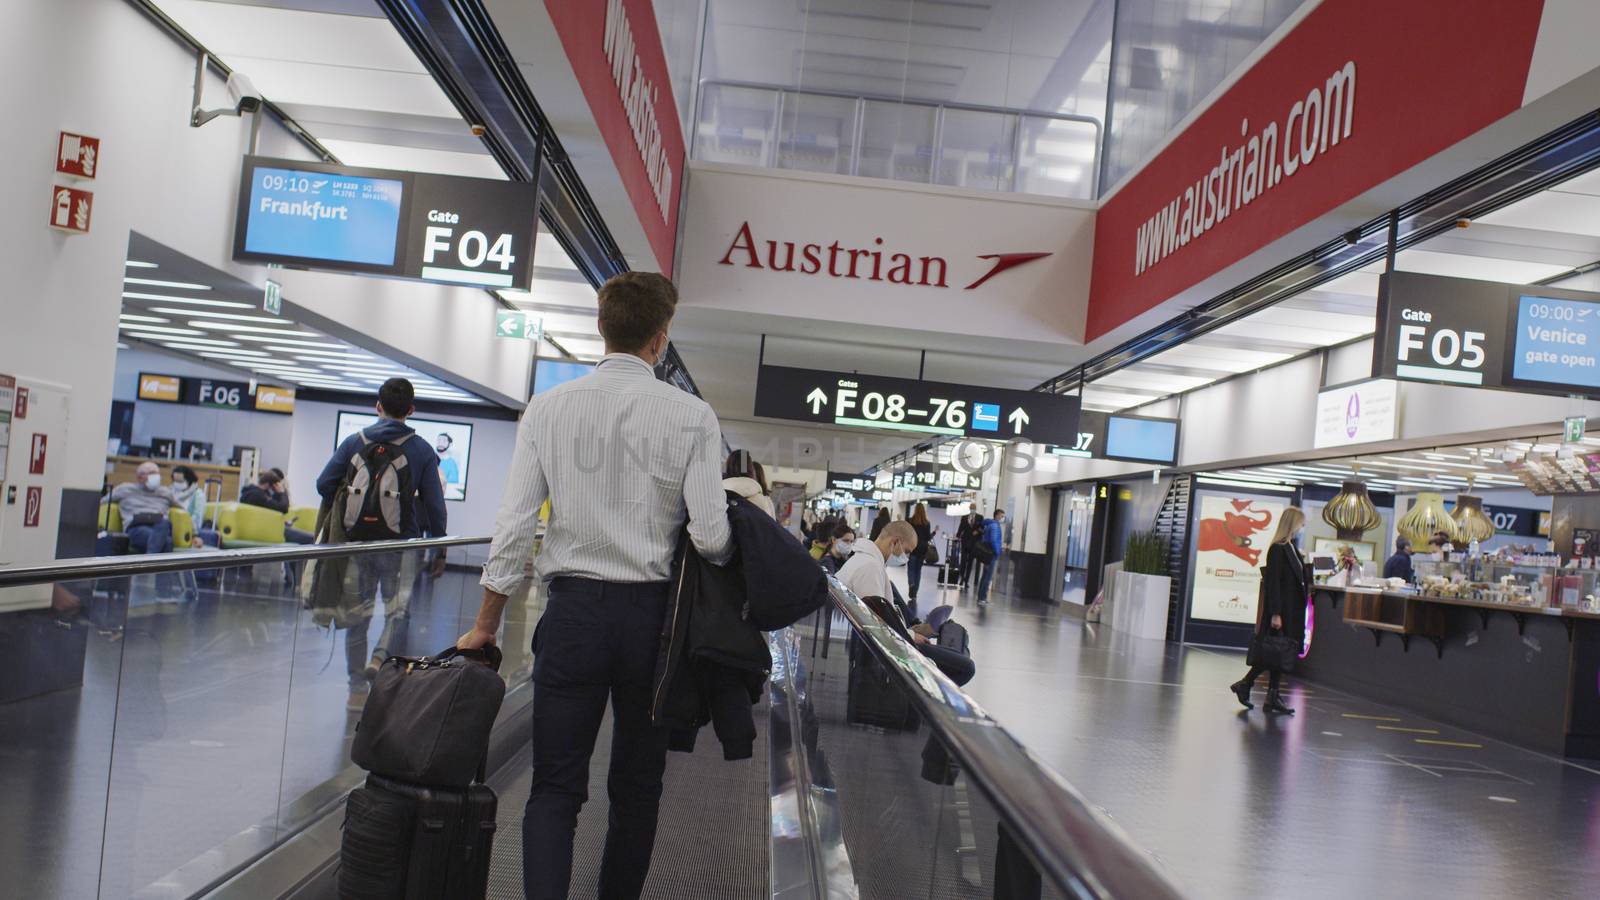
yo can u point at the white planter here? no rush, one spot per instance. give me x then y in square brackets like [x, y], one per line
[1141, 607]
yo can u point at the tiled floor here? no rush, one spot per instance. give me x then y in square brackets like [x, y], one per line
[1346, 799]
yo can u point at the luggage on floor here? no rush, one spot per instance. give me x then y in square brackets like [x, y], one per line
[410, 842]
[953, 636]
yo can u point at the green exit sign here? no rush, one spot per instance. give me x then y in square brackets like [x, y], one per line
[272, 299]
[510, 323]
[1575, 427]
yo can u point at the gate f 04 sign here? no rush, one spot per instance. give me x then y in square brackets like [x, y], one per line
[905, 404]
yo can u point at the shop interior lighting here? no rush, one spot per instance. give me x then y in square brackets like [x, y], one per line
[1351, 512]
[1426, 517]
[1470, 520]
[141, 264]
[154, 282]
[192, 301]
[1249, 485]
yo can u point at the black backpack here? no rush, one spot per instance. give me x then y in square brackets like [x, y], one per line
[376, 489]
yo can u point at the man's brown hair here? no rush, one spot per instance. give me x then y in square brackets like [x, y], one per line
[635, 307]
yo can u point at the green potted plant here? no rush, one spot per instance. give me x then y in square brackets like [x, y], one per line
[1143, 587]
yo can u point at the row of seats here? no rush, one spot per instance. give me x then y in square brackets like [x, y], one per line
[238, 524]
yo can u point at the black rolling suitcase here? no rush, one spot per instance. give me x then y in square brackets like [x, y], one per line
[408, 842]
[872, 695]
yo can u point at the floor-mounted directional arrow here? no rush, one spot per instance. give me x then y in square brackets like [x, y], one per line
[816, 398]
[1018, 418]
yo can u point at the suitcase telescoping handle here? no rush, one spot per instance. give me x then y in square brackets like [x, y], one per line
[490, 655]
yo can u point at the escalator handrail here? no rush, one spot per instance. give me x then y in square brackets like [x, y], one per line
[187, 560]
[1076, 847]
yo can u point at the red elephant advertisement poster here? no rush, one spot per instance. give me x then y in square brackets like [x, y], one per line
[1230, 541]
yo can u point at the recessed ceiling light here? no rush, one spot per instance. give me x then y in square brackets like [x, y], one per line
[129, 317]
[264, 339]
[157, 329]
[141, 264]
[195, 343]
[235, 354]
[230, 316]
[193, 301]
[229, 326]
[326, 354]
[152, 282]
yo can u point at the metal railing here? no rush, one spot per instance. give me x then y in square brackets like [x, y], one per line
[1075, 847]
[856, 126]
[187, 561]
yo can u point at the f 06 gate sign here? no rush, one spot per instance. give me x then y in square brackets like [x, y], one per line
[907, 404]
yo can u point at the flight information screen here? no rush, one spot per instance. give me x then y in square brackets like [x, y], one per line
[1557, 341]
[323, 216]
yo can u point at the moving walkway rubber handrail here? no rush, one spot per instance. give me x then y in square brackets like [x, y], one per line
[1075, 846]
[142, 564]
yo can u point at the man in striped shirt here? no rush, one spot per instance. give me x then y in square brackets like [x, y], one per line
[626, 461]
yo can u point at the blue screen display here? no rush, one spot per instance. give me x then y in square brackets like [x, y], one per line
[1145, 439]
[317, 215]
[551, 372]
[1558, 341]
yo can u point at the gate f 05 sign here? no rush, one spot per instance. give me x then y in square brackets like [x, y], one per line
[906, 404]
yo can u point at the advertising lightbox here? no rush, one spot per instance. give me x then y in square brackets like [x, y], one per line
[452, 441]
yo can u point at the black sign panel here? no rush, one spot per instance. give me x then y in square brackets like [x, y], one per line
[860, 487]
[1126, 438]
[906, 404]
[213, 393]
[475, 231]
[1487, 334]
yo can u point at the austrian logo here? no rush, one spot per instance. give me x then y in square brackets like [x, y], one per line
[874, 263]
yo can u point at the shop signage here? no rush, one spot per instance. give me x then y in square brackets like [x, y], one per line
[906, 404]
[1572, 429]
[476, 231]
[1230, 538]
[70, 209]
[215, 394]
[1487, 334]
[77, 155]
[1357, 414]
[616, 55]
[1125, 438]
[1325, 115]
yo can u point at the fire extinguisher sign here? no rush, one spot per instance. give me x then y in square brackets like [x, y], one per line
[70, 209]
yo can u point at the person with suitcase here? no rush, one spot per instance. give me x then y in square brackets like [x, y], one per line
[626, 461]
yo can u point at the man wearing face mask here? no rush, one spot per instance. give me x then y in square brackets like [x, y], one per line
[144, 504]
[865, 571]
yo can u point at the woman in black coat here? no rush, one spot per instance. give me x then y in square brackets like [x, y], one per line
[1285, 584]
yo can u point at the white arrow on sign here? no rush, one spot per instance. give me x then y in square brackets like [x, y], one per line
[816, 398]
[1018, 419]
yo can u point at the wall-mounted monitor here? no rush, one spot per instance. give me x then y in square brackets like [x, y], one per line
[548, 373]
[195, 451]
[452, 441]
[1146, 440]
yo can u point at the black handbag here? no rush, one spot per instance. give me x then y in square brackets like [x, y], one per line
[1273, 651]
[427, 720]
[932, 556]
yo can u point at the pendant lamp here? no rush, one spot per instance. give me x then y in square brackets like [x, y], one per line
[1471, 521]
[1351, 512]
[1426, 518]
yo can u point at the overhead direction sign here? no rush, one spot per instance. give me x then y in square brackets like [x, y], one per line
[907, 404]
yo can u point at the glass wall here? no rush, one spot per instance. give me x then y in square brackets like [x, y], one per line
[1006, 95]
[1170, 55]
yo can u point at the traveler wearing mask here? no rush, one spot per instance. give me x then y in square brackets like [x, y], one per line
[191, 499]
[144, 504]
[865, 571]
[844, 539]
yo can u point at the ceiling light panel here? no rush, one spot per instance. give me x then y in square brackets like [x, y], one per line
[156, 282]
[229, 316]
[192, 301]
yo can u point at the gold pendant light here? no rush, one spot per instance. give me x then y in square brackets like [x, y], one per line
[1471, 521]
[1426, 518]
[1351, 512]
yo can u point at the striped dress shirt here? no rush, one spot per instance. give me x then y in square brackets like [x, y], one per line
[625, 460]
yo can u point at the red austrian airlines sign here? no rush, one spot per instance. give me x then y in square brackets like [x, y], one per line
[1358, 92]
[615, 52]
[872, 263]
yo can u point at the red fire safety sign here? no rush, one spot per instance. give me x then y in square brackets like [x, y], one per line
[35, 504]
[77, 155]
[70, 209]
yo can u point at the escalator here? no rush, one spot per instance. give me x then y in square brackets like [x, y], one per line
[203, 750]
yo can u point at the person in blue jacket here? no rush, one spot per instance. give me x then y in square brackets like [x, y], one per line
[994, 536]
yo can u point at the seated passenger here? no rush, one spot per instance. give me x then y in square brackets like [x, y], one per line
[191, 499]
[844, 539]
[269, 492]
[743, 476]
[866, 574]
[144, 504]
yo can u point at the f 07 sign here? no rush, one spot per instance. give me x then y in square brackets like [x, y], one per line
[904, 404]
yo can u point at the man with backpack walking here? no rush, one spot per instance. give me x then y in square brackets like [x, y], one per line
[381, 484]
[629, 463]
